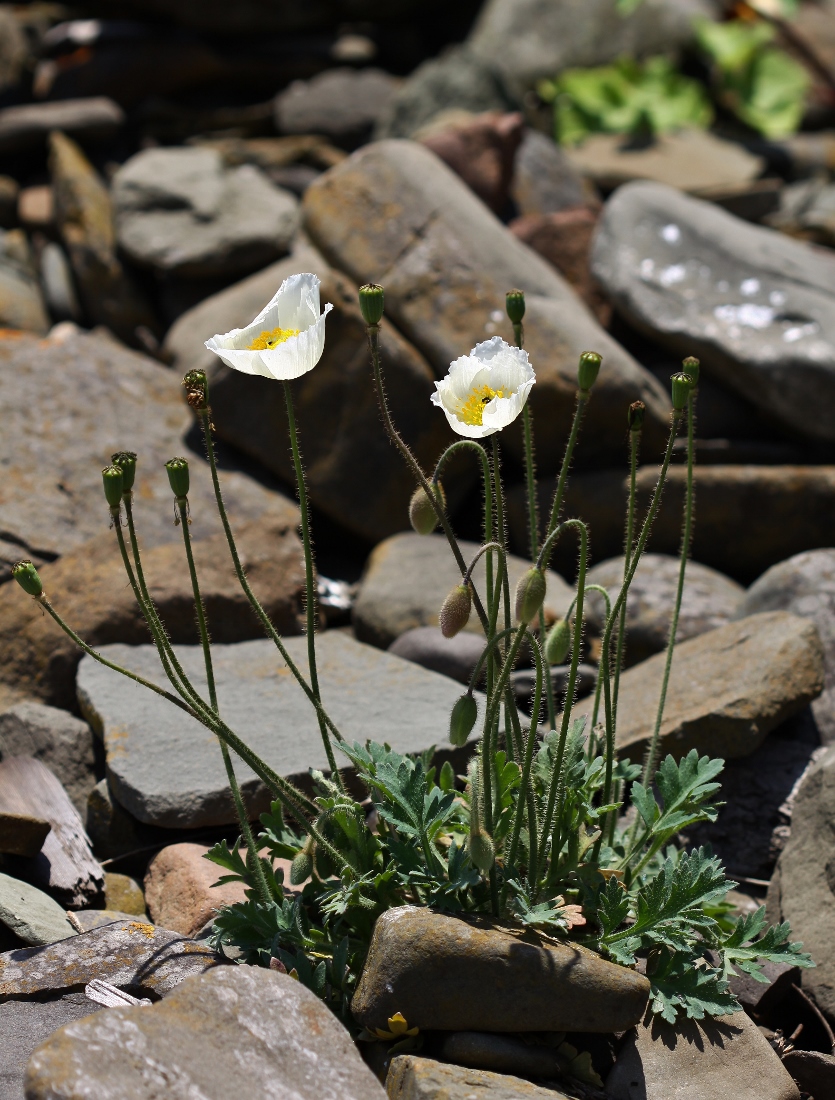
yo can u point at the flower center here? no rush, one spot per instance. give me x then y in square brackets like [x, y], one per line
[472, 411]
[272, 338]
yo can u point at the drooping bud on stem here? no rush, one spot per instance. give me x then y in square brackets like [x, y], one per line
[422, 515]
[113, 481]
[635, 416]
[681, 385]
[197, 390]
[558, 642]
[515, 305]
[302, 866]
[372, 303]
[691, 367]
[27, 577]
[462, 720]
[455, 611]
[530, 594]
[177, 470]
[126, 461]
[588, 370]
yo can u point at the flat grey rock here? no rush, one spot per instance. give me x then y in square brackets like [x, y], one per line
[130, 954]
[239, 1031]
[31, 914]
[412, 1077]
[56, 278]
[58, 739]
[180, 211]
[342, 104]
[544, 179]
[454, 657]
[21, 300]
[24, 1025]
[166, 769]
[755, 306]
[29, 124]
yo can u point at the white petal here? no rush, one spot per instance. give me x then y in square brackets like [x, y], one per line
[492, 363]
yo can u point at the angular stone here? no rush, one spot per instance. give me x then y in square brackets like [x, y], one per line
[180, 891]
[544, 180]
[409, 576]
[728, 688]
[454, 657]
[21, 834]
[812, 1071]
[58, 286]
[500, 1054]
[55, 737]
[804, 585]
[25, 1025]
[135, 956]
[65, 864]
[367, 693]
[345, 446]
[239, 1030]
[710, 600]
[124, 894]
[449, 973]
[414, 1078]
[721, 1056]
[31, 914]
[21, 301]
[84, 216]
[481, 150]
[181, 211]
[28, 125]
[394, 213]
[343, 104]
[113, 831]
[88, 584]
[753, 305]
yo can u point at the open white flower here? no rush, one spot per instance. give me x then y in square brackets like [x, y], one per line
[287, 337]
[485, 390]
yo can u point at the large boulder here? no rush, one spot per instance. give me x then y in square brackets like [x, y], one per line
[755, 306]
[393, 213]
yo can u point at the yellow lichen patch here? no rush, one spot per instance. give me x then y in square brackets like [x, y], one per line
[272, 338]
[472, 411]
[146, 930]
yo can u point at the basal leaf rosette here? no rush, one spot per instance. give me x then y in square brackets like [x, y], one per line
[485, 390]
[285, 340]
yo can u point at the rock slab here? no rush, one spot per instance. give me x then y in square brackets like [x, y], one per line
[22, 834]
[241, 1030]
[55, 737]
[31, 914]
[26, 1024]
[449, 974]
[414, 1078]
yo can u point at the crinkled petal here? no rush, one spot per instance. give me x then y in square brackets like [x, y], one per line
[492, 363]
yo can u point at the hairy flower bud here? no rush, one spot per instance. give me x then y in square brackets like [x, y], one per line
[515, 304]
[682, 385]
[588, 369]
[302, 866]
[27, 577]
[635, 416]
[126, 461]
[462, 720]
[372, 303]
[177, 470]
[197, 390]
[113, 481]
[455, 611]
[422, 514]
[482, 851]
[691, 367]
[530, 594]
[558, 642]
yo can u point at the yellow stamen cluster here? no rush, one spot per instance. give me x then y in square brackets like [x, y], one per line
[272, 338]
[472, 411]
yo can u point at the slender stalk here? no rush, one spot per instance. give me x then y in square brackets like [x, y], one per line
[559, 492]
[525, 784]
[634, 448]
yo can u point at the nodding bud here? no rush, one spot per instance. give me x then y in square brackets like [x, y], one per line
[455, 611]
[482, 851]
[126, 461]
[558, 642]
[682, 386]
[197, 390]
[635, 416]
[177, 470]
[302, 866]
[588, 369]
[27, 577]
[530, 594]
[462, 720]
[692, 367]
[515, 305]
[422, 514]
[372, 303]
[114, 481]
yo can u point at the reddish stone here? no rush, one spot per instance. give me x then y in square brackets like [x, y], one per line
[482, 151]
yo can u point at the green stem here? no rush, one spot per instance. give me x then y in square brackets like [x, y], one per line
[634, 447]
[525, 784]
[559, 492]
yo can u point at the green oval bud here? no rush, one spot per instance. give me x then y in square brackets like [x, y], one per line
[301, 868]
[197, 390]
[635, 416]
[455, 611]
[177, 470]
[126, 461]
[422, 515]
[482, 852]
[558, 642]
[27, 577]
[530, 594]
[515, 305]
[372, 303]
[588, 369]
[692, 367]
[682, 385]
[462, 720]
[113, 480]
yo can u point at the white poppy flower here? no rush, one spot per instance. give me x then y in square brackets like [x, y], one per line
[485, 390]
[287, 337]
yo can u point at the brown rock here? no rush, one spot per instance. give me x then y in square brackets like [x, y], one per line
[180, 891]
[36, 207]
[481, 150]
[728, 688]
[124, 894]
[22, 834]
[450, 974]
[813, 1071]
[414, 1078]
